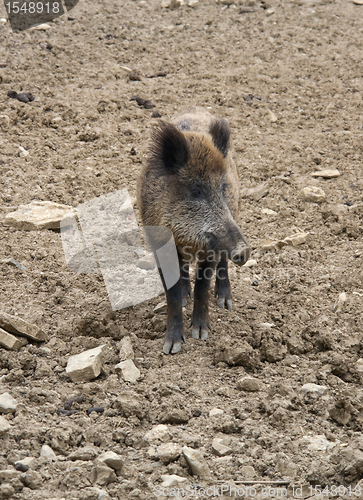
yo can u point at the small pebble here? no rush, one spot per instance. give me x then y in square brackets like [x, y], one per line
[313, 194]
[21, 467]
[255, 283]
[327, 174]
[156, 114]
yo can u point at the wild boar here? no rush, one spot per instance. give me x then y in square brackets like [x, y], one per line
[189, 185]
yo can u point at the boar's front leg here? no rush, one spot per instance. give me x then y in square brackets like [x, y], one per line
[200, 318]
[174, 322]
[223, 288]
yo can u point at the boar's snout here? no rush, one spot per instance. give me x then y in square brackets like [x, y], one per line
[232, 243]
[241, 254]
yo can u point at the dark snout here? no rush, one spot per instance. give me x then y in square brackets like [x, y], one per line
[230, 243]
[240, 251]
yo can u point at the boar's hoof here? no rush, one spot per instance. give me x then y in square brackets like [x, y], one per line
[224, 303]
[200, 330]
[172, 343]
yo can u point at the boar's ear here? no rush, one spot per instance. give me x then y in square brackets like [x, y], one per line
[220, 132]
[169, 148]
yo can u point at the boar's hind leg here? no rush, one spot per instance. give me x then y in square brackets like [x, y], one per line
[223, 288]
[174, 322]
[200, 318]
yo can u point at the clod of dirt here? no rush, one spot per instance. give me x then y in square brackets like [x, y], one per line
[156, 114]
[241, 355]
[134, 76]
[156, 74]
[97, 409]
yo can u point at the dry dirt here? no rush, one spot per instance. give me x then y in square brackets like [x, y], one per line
[302, 61]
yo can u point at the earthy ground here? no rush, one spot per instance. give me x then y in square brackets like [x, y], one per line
[300, 60]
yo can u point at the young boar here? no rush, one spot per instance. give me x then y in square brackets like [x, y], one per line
[189, 185]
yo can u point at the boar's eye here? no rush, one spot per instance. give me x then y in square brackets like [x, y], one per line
[224, 189]
[196, 193]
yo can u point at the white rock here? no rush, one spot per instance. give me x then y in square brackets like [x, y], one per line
[192, 3]
[168, 452]
[129, 371]
[313, 194]
[196, 462]
[340, 303]
[160, 308]
[327, 174]
[158, 433]
[171, 4]
[268, 326]
[23, 153]
[47, 452]
[318, 390]
[28, 461]
[126, 350]
[215, 411]
[268, 211]
[4, 426]
[272, 116]
[111, 459]
[86, 365]
[9, 341]
[41, 27]
[219, 447]
[38, 215]
[172, 480]
[359, 365]
[7, 403]
[296, 239]
[250, 263]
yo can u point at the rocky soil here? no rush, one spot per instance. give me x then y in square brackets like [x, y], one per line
[237, 408]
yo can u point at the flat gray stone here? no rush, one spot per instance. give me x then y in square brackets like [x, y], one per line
[196, 462]
[38, 215]
[129, 371]
[219, 448]
[111, 459]
[318, 390]
[16, 325]
[9, 341]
